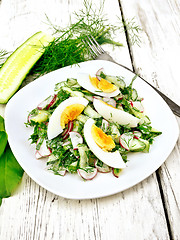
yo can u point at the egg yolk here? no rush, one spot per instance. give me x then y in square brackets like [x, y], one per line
[104, 141]
[103, 85]
[70, 113]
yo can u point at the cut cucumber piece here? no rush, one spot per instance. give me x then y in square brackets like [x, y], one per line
[42, 116]
[20, 62]
[90, 112]
[137, 145]
[118, 81]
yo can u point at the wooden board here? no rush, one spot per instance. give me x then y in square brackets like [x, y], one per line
[149, 210]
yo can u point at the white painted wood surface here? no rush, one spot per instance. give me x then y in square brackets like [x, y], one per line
[149, 210]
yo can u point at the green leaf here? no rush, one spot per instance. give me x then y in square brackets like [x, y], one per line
[11, 173]
[0, 201]
[2, 128]
[3, 141]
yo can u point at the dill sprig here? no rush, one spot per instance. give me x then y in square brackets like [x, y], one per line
[68, 47]
[3, 56]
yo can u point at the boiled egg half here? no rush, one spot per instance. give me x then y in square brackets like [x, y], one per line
[115, 115]
[68, 110]
[99, 87]
[101, 145]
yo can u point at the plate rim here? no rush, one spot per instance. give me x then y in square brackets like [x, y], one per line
[66, 195]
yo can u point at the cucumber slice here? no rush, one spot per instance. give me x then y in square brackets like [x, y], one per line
[83, 151]
[90, 112]
[118, 81]
[137, 145]
[42, 116]
[20, 62]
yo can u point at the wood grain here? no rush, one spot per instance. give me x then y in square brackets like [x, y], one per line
[157, 60]
[137, 213]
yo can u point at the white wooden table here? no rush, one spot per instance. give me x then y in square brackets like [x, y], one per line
[149, 210]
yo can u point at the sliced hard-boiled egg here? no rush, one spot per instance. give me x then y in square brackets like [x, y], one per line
[101, 145]
[113, 114]
[68, 110]
[99, 87]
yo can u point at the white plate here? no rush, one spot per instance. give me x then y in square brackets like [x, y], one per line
[140, 165]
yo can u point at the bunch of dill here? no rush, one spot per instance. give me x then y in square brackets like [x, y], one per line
[68, 47]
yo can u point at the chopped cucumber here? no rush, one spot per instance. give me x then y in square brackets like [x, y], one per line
[137, 145]
[73, 93]
[90, 112]
[142, 116]
[83, 152]
[82, 118]
[134, 94]
[153, 130]
[118, 81]
[146, 149]
[41, 116]
[114, 131]
[20, 62]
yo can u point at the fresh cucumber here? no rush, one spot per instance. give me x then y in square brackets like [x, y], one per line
[82, 118]
[20, 62]
[90, 112]
[137, 145]
[118, 81]
[83, 152]
[73, 93]
[41, 116]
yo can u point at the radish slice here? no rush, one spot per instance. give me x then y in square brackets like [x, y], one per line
[87, 175]
[62, 172]
[110, 101]
[138, 105]
[98, 73]
[116, 172]
[125, 140]
[76, 138]
[66, 132]
[44, 151]
[137, 134]
[104, 169]
[47, 103]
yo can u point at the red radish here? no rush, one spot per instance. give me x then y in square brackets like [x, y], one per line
[87, 175]
[76, 138]
[104, 169]
[116, 172]
[44, 151]
[138, 105]
[98, 73]
[66, 132]
[125, 140]
[110, 101]
[62, 172]
[137, 134]
[29, 118]
[131, 103]
[47, 103]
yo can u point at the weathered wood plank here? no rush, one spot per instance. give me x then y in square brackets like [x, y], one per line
[157, 60]
[34, 213]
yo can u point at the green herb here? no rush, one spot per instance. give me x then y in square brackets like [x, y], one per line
[69, 47]
[3, 57]
[11, 171]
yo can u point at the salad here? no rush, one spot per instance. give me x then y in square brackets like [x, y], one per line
[89, 125]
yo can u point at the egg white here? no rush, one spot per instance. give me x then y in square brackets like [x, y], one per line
[84, 81]
[115, 115]
[112, 159]
[54, 126]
